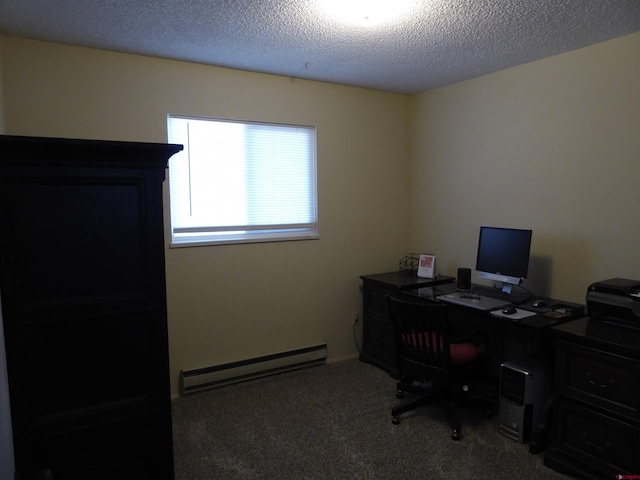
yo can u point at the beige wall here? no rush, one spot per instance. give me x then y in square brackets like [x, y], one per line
[552, 145]
[227, 303]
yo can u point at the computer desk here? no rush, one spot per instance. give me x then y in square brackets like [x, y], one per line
[510, 339]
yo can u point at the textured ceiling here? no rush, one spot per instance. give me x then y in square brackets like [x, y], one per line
[433, 43]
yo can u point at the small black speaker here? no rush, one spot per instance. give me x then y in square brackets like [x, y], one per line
[464, 279]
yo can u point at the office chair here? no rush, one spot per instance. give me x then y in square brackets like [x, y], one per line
[433, 367]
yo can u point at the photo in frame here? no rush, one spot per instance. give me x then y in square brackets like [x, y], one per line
[427, 266]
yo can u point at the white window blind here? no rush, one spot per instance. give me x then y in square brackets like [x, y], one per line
[241, 181]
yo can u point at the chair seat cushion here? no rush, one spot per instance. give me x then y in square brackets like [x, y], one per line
[463, 353]
[460, 353]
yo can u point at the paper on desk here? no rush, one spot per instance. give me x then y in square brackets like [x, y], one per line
[516, 316]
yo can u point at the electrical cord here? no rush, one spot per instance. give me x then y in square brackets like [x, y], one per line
[355, 336]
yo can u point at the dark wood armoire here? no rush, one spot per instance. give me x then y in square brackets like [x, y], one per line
[82, 284]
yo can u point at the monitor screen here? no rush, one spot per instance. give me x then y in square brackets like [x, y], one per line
[503, 254]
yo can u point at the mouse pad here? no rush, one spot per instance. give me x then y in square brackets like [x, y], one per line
[516, 316]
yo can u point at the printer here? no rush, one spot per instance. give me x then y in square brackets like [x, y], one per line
[615, 301]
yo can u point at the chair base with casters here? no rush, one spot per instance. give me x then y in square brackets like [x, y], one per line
[486, 397]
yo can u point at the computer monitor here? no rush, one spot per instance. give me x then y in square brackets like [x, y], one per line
[503, 255]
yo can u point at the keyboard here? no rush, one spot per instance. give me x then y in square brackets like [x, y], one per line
[472, 300]
[514, 298]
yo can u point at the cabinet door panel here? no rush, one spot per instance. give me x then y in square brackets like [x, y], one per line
[99, 451]
[89, 361]
[79, 241]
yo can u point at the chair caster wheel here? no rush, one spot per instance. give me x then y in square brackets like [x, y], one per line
[488, 413]
[395, 420]
[455, 435]
[399, 394]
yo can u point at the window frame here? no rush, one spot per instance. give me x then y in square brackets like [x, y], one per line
[271, 232]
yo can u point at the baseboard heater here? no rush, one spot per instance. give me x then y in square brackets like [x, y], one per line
[243, 370]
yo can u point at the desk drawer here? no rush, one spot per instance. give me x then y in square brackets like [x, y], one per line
[599, 378]
[602, 441]
[375, 299]
[378, 338]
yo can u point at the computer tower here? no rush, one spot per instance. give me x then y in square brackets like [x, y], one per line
[523, 393]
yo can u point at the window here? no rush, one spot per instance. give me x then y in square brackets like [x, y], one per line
[240, 182]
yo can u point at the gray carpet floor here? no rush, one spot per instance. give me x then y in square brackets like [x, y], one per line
[334, 422]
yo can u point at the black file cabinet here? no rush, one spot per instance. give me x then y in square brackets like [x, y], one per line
[596, 427]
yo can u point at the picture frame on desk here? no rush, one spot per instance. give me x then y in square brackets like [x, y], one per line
[427, 266]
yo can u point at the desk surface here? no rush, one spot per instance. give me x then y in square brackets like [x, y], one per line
[406, 279]
[510, 338]
[536, 321]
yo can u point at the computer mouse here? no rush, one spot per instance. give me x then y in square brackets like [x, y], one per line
[539, 304]
[510, 310]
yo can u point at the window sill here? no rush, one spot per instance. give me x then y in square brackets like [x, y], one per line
[204, 242]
